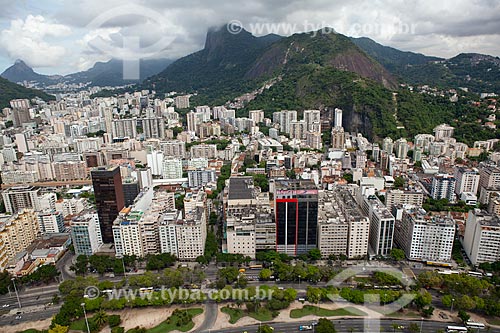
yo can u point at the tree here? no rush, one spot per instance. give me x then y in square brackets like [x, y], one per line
[325, 326]
[265, 274]
[422, 299]
[81, 265]
[100, 318]
[114, 320]
[464, 316]
[399, 182]
[265, 329]
[5, 282]
[397, 254]
[314, 254]
[427, 312]
[313, 294]
[348, 177]
[58, 329]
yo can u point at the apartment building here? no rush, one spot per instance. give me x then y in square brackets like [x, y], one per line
[343, 229]
[20, 197]
[482, 237]
[467, 180]
[381, 225]
[86, 233]
[17, 232]
[425, 237]
[403, 197]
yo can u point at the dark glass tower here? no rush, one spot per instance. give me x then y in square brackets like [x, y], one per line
[109, 198]
[296, 209]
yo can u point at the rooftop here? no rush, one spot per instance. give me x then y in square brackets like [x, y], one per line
[241, 188]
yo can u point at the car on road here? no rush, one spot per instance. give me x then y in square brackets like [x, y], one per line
[305, 328]
[18, 317]
[5, 305]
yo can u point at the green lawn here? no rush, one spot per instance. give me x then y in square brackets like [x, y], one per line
[168, 326]
[236, 314]
[79, 325]
[314, 310]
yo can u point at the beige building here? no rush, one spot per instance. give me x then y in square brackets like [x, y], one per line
[17, 232]
[250, 224]
[70, 170]
[401, 197]
[343, 229]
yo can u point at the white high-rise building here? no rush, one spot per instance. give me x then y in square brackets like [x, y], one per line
[424, 237]
[256, 115]
[381, 225]
[127, 235]
[155, 162]
[51, 222]
[442, 132]
[482, 237]
[312, 118]
[401, 148]
[184, 237]
[167, 231]
[172, 168]
[86, 233]
[338, 117]
[467, 180]
[22, 144]
[174, 148]
[284, 119]
[388, 145]
[443, 187]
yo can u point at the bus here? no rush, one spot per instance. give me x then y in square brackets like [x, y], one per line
[439, 264]
[456, 329]
[255, 266]
[471, 324]
[475, 274]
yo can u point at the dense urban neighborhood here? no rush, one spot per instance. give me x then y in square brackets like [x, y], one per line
[307, 182]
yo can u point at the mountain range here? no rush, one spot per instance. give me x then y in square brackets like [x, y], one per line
[108, 73]
[327, 70]
[320, 70]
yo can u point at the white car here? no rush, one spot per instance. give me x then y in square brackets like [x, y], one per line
[5, 305]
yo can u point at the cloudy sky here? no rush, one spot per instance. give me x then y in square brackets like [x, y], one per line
[60, 37]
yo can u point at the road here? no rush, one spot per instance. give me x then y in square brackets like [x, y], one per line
[348, 325]
[210, 313]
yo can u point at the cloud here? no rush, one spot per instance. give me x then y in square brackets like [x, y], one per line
[26, 39]
[442, 28]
